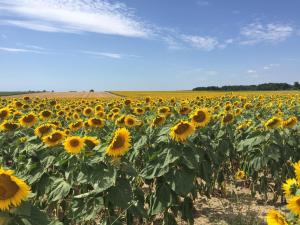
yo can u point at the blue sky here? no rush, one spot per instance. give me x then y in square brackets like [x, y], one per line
[66, 45]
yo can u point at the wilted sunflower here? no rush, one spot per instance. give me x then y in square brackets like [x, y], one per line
[4, 113]
[289, 187]
[274, 122]
[91, 142]
[227, 118]
[43, 130]
[275, 218]
[46, 114]
[13, 190]
[54, 138]
[74, 144]
[200, 118]
[95, 122]
[294, 204]
[9, 126]
[28, 120]
[120, 143]
[291, 122]
[182, 130]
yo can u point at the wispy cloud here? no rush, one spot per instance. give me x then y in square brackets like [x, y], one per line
[251, 71]
[201, 42]
[18, 50]
[109, 55]
[203, 3]
[97, 16]
[269, 33]
[270, 66]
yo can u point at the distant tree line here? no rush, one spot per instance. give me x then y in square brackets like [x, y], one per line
[259, 87]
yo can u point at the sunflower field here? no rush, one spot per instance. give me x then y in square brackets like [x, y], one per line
[132, 160]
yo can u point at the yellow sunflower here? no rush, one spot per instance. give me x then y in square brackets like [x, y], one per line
[130, 121]
[28, 120]
[9, 126]
[55, 138]
[4, 113]
[291, 122]
[294, 204]
[274, 122]
[95, 122]
[88, 111]
[227, 118]
[74, 144]
[297, 171]
[43, 130]
[158, 120]
[76, 126]
[182, 130]
[46, 114]
[275, 218]
[239, 175]
[120, 143]
[289, 186]
[91, 142]
[120, 122]
[201, 117]
[13, 190]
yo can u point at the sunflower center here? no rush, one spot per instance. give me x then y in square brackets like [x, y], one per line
[3, 114]
[227, 118]
[28, 119]
[8, 188]
[130, 121]
[298, 202]
[55, 137]
[182, 128]
[200, 117]
[44, 129]
[10, 126]
[119, 142]
[96, 122]
[74, 143]
[46, 114]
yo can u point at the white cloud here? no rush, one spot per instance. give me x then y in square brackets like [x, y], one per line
[251, 71]
[272, 33]
[204, 43]
[97, 16]
[172, 43]
[203, 3]
[18, 50]
[270, 66]
[109, 55]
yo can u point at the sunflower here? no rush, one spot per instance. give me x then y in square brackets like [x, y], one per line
[297, 171]
[184, 110]
[166, 111]
[200, 118]
[76, 126]
[88, 111]
[74, 144]
[120, 122]
[239, 175]
[130, 121]
[294, 204]
[43, 130]
[46, 114]
[274, 122]
[28, 120]
[4, 113]
[13, 190]
[182, 130]
[95, 122]
[289, 187]
[291, 122]
[227, 118]
[91, 142]
[158, 120]
[139, 111]
[55, 138]
[275, 218]
[9, 126]
[120, 143]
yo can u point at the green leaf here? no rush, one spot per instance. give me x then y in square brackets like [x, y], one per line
[121, 194]
[60, 191]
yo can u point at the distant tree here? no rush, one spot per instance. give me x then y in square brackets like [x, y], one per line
[52, 91]
[297, 85]
[44, 91]
[92, 90]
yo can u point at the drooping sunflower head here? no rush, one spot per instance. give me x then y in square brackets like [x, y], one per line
[55, 138]
[182, 130]
[120, 144]
[9, 126]
[91, 142]
[96, 122]
[28, 120]
[290, 187]
[13, 190]
[43, 130]
[201, 117]
[275, 218]
[274, 122]
[290, 122]
[74, 144]
[76, 125]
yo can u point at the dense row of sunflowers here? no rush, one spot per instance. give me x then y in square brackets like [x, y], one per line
[114, 161]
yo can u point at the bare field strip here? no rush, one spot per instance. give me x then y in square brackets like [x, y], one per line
[67, 95]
